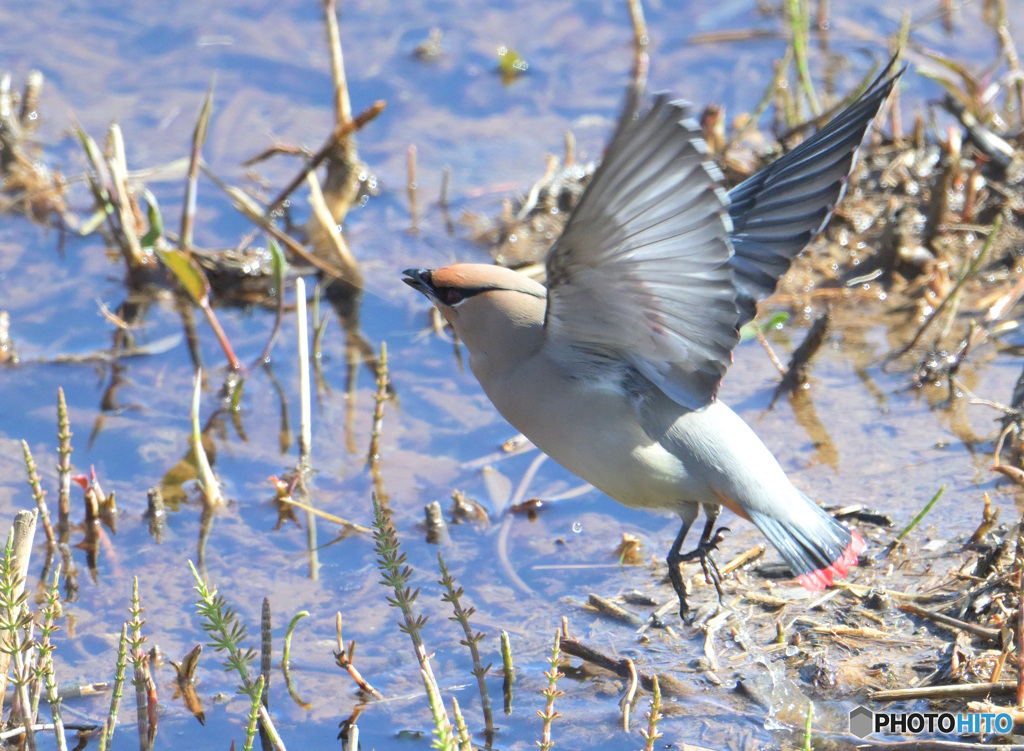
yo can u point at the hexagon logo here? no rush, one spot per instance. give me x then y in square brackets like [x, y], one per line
[862, 722]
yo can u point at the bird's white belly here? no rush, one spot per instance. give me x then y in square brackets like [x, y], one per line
[594, 433]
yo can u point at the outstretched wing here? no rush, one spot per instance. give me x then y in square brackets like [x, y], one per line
[778, 211]
[641, 272]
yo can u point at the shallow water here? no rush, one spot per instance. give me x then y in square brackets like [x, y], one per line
[859, 435]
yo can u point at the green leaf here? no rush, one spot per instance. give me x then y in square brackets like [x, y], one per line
[187, 271]
[277, 265]
[750, 330]
[156, 221]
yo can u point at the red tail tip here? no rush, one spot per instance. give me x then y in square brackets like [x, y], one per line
[823, 577]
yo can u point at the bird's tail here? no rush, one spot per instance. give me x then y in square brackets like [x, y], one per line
[816, 546]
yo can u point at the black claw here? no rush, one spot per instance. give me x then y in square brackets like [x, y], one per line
[718, 537]
[703, 553]
[708, 543]
[712, 575]
[706, 547]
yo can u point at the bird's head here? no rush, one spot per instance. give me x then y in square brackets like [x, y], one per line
[488, 306]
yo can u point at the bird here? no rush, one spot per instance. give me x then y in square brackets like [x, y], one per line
[612, 366]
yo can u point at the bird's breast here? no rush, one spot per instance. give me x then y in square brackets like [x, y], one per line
[592, 428]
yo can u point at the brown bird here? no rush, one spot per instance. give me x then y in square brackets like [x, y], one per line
[612, 368]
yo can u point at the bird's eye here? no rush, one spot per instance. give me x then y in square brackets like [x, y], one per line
[452, 296]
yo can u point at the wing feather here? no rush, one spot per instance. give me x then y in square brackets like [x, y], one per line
[641, 270]
[658, 267]
[778, 211]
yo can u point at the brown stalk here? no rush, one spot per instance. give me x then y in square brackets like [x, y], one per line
[961, 691]
[636, 16]
[341, 131]
[610, 609]
[109, 196]
[989, 634]
[345, 660]
[342, 103]
[670, 686]
[188, 213]
[255, 213]
[334, 243]
[127, 211]
[627, 700]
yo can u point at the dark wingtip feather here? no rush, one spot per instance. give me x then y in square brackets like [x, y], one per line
[787, 194]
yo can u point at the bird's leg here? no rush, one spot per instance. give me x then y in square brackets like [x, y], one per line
[709, 541]
[675, 558]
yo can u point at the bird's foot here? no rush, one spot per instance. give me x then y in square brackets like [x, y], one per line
[709, 542]
[675, 576]
[703, 553]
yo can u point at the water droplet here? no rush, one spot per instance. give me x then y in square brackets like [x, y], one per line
[577, 527]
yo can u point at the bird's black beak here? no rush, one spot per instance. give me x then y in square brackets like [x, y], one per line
[419, 279]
